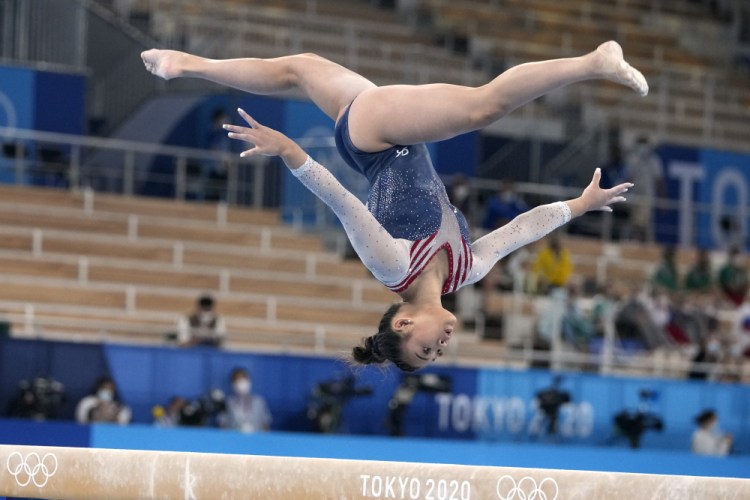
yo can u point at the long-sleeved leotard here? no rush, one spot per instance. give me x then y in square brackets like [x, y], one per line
[396, 262]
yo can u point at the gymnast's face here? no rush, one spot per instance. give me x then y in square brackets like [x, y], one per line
[427, 331]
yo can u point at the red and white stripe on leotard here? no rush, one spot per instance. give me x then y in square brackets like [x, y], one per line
[422, 251]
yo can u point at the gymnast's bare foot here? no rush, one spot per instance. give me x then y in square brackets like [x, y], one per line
[610, 62]
[166, 64]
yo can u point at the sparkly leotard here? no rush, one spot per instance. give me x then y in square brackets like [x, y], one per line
[409, 219]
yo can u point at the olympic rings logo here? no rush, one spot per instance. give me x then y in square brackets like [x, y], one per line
[526, 489]
[31, 468]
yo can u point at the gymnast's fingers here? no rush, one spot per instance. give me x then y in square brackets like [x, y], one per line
[235, 128]
[249, 152]
[597, 177]
[249, 119]
[241, 137]
[621, 188]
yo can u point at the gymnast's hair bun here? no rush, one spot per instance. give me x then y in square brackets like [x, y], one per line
[368, 352]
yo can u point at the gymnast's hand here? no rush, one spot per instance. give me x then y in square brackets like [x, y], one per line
[597, 198]
[266, 141]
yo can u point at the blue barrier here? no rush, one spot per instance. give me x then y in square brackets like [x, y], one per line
[144, 437]
[491, 405]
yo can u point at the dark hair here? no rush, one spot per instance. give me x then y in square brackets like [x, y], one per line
[386, 345]
[206, 302]
[237, 372]
[104, 380]
[705, 417]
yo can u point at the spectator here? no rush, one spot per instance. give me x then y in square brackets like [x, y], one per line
[203, 326]
[103, 404]
[740, 337]
[553, 266]
[613, 173]
[217, 171]
[699, 277]
[709, 352]
[666, 277]
[644, 169]
[577, 327]
[698, 317]
[642, 319]
[502, 208]
[605, 306]
[707, 440]
[731, 230]
[245, 411]
[733, 278]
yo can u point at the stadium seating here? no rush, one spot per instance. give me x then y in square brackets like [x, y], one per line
[124, 269]
[131, 266]
[695, 99]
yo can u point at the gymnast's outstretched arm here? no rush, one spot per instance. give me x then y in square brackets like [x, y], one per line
[538, 222]
[386, 257]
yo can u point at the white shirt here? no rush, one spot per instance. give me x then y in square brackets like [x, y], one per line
[710, 442]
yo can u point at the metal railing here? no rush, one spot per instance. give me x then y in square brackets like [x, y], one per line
[130, 167]
[70, 161]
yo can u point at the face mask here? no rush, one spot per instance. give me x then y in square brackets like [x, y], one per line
[242, 386]
[104, 395]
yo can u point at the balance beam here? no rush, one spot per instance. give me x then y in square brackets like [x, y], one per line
[83, 473]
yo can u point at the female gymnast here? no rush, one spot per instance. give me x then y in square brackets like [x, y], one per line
[409, 235]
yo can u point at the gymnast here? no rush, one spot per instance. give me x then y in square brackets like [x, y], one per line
[408, 235]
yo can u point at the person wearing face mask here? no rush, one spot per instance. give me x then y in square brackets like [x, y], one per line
[502, 208]
[708, 439]
[103, 404]
[733, 278]
[245, 411]
[203, 326]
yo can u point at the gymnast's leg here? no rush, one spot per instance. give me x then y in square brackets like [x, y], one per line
[330, 86]
[409, 114]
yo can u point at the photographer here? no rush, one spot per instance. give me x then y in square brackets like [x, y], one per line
[633, 423]
[707, 440]
[39, 399]
[405, 394]
[549, 401]
[245, 411]
[103, 405]
[327, 400]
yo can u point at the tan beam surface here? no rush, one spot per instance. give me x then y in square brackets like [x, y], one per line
[83, 473]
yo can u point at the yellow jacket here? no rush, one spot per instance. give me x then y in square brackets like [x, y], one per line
[553, 269]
